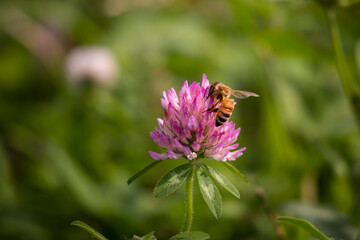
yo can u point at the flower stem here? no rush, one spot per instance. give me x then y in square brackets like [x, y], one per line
[189, 201]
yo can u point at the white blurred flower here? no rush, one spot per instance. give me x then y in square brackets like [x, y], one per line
[94, 63]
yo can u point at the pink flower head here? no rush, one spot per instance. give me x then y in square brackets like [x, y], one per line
[95, 63]
[188, 131]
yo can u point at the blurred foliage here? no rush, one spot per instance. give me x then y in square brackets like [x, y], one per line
[306, 225]
[67, 148]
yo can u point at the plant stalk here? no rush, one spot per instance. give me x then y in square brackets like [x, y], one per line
[189, 201]
[142, 171]
[351, 89]
[342, 64]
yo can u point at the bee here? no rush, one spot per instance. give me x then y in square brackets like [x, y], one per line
[221, 93]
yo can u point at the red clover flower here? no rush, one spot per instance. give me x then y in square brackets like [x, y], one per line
[187, 130]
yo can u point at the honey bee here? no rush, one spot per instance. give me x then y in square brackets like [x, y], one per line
[221, 93]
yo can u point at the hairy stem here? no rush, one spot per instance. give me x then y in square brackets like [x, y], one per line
[189, 201]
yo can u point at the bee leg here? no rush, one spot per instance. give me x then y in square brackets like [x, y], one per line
[212, 108]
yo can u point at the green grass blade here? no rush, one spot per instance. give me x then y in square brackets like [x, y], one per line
[306, 225]
[89, 229]
[236, 171]
[142, 171]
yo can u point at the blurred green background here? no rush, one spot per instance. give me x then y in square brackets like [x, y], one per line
[71, 135]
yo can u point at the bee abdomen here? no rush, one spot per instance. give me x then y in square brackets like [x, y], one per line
[224, 112]
[221, 119]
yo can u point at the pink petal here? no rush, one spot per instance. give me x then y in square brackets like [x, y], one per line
[185, 116]
[158, 156]
[173, 155]
[192, 124]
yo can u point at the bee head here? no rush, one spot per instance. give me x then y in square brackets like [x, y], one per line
[212, 88]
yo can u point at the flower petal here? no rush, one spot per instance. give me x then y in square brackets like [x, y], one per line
[173, 155]
[192, 123]
[158, 156]
[188, 130]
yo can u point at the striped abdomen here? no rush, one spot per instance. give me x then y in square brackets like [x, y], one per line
[224, 112]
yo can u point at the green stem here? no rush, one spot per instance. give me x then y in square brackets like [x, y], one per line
[144, 170]
[342, 64]
[189, 201]
[350, 86]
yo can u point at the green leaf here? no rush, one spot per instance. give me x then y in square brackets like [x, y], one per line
[149, 236]
[142, 171]
[326, 219]
[89, 229]
[308, 226]
[236, 171]
[190, 236]
[222, 180]
[209, 192]
[171, 181]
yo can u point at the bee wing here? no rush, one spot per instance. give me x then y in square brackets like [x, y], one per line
[243, 94]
